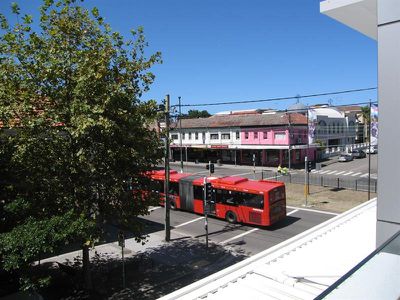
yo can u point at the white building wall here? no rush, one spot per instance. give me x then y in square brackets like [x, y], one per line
[205, 136]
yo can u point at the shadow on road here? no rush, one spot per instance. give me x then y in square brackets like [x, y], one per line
[149, 275]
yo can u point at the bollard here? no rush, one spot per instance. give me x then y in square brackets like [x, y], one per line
[356, 184]
[338, 185]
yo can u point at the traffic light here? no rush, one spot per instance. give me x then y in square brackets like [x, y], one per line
[209, 192]
[210, 167]
[309, 166]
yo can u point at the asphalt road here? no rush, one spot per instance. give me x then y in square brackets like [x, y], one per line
[250, 240]
[354, 168]
[247, 240]
[358, 168]
[243, 239]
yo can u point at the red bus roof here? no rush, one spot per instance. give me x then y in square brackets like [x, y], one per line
[246, 185]
[174, 176]
[237, 183]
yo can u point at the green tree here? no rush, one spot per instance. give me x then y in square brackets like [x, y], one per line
[366, 116]
[194, 114]
[74, 133]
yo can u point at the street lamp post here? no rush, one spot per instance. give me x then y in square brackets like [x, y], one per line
[180, 133]
[166, 186]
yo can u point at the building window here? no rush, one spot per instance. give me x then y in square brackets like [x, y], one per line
[190, 135]
[246, 135]
[214, 136]
[183, 136]
[174, 136]
[255, 134]
[297, 155]
[265, 135]
[237, 135]
[196, 135]
[322, 127]
[280, 136]
[226, 136]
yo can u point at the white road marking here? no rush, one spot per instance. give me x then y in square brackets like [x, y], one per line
[355, 174]
[201, 172]
[188, 222]
[348, 173]
[292, 212]
[238, 236]
[314, 171]
[340, 172]
[244, 174]
[365, 175]
[313, 210]
[323, 172]
[154, 208]
[331, 172]
[273, 177]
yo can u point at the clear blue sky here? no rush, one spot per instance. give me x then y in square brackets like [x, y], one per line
[227, 50]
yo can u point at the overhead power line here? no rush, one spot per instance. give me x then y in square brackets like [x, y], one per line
[278, 98]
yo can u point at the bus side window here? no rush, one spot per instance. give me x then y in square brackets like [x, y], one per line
[218, 194]
[174, 188]
[228, 197]
[254, 200]
[198, 192]
[158, 186]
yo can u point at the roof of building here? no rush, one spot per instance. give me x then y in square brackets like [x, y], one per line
[247, 120]
[299, 268]
[329, 112]
[300, 107]
[354, 108]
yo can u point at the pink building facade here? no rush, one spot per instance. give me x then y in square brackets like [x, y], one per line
[277, 144]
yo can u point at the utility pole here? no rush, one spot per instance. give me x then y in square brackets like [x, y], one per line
[121, 243]
[207, 195]
[369, 151]
[166, 186]
[254, 165]
[180, 132]
[306, 180]
[290, 140]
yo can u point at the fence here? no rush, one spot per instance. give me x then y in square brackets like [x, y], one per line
[359, 184]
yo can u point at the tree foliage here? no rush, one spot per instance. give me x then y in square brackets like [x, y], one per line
[73, 130]
[194, 114]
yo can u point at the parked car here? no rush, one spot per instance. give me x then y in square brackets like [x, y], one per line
[345, 157]
[372, 150]
[358, 153]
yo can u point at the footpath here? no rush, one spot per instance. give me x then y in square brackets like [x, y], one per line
[152, 269]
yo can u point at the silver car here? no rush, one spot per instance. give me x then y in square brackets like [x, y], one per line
[345, 157]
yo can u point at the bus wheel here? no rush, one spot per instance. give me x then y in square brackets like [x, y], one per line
[172, 205]
[231, 217]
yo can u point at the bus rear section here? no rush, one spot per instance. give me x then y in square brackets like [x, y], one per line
[277, 203]
[239, 199]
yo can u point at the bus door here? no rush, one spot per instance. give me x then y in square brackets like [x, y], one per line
[186, 192]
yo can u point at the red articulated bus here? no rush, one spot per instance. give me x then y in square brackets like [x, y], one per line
[236, 199]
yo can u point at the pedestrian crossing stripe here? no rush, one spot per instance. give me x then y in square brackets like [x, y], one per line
[356, 174]
[344, 173]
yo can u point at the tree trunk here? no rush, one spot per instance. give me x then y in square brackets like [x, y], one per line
[86, 267]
